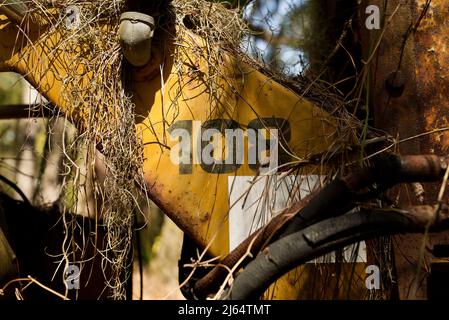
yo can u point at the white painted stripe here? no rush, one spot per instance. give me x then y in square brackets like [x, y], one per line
[254, 201]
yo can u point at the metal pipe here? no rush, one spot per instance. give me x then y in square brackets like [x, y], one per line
[23, 111]
[15, 10]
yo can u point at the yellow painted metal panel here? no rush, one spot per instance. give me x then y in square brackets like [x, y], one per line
[198, 200]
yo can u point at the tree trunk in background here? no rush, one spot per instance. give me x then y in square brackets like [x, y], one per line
[409, 85]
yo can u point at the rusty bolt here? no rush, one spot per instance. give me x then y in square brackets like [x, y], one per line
[395, 84]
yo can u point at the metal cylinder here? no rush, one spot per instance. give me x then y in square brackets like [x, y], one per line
[14, 10]
[136, 33]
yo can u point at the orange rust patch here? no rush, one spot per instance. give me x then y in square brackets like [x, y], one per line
[432, 72]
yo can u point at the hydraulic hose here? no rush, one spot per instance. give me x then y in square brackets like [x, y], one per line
[327, 236]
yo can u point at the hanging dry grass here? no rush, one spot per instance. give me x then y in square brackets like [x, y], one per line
[103, 111]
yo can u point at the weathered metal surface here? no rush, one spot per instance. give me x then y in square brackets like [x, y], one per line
[432, 72]
[415, 44]
[197, 200]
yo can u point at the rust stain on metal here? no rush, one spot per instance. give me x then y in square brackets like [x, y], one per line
[423, 106]
[176, 212]
[423, 168]
[432, 70]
